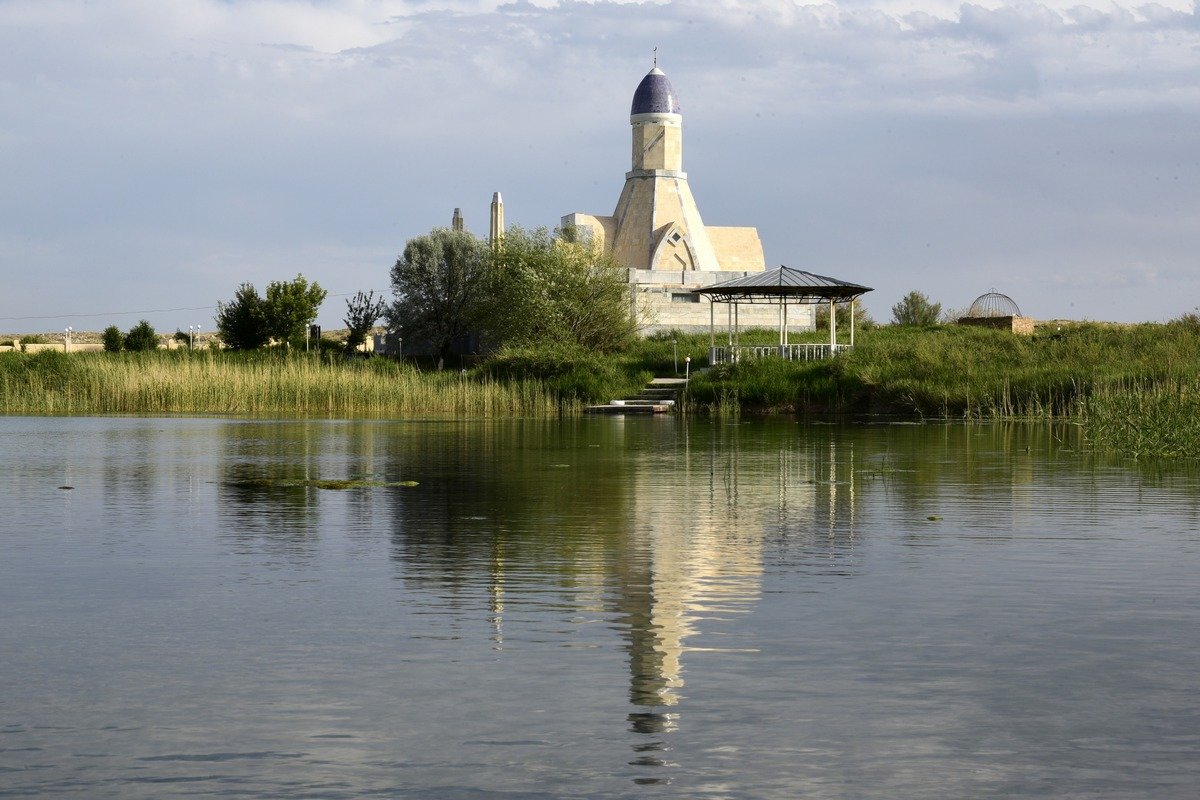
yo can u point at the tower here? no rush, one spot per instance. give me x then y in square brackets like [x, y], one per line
[656, 231]
[658, 225]
[496, 229]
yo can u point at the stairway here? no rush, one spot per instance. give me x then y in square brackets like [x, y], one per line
[656, 397]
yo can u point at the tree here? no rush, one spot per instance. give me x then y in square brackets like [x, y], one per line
[113, 339]
[290, 307]
[362, 311]
[438, 283]
[916, 309]
[141, 338]
[242, 322]
[862, 319]
[545, 289]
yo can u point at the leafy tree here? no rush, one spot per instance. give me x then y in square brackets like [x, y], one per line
[544, 289]
[438, 283]
[290, 307]
[242, 322]
[113, 339]
[362, 312]
[862, 319]
[916, 309]
[141, 338]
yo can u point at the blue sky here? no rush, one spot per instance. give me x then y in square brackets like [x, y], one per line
[155, 155]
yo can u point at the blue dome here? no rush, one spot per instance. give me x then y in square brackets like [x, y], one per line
[655, 95]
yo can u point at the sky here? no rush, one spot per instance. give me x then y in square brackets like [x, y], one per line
[155, 155]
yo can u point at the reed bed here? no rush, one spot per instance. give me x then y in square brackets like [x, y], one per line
[207, 383]
[1145, 418]
[953, 372]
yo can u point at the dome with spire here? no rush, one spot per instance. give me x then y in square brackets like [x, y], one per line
[655, 95]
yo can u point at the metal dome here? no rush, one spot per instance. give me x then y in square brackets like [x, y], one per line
[993, 304]
[655, 95]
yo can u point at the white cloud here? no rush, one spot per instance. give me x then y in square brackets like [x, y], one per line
[1011, 139]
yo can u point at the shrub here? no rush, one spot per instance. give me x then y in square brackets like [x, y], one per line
[242, 322]
[570, 372]
[916, 309]
[141, 338]
[113, 339]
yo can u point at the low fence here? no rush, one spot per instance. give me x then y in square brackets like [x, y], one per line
[788, 352]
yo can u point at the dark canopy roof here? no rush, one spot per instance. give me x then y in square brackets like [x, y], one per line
[655, 95]
[783, 284]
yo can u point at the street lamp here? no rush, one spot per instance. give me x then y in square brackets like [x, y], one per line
[67, 339]
[191, 337]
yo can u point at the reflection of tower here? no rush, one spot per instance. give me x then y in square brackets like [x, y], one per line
[496, 592]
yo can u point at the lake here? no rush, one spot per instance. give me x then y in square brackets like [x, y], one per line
[592, 608]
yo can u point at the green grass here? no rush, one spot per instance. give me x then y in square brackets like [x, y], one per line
[1143, 418]
[258, 384]
[1134, 389]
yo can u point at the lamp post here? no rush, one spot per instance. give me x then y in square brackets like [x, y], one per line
[191, 337]
[687, 365]
[67, 339]
[675, 354]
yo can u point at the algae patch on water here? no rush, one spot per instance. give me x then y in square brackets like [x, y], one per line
[317, 483]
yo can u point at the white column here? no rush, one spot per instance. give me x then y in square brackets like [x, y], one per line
[832, 326]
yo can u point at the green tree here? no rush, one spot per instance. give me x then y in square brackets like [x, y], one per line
[362, 312]
[141, 338]
[290, 307]
[862, 319]
[438, 283]
[916, 309]
[545, 289]
[242, 322]
[113, 339]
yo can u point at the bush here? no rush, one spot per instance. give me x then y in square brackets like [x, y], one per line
[34, 338]
[570, 373]
[113, 339]
[916, 309]
[242, 322]
[141, 338]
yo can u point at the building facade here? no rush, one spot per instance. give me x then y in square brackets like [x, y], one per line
[657, 233]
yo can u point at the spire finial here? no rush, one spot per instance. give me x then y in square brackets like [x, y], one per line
[656, 55]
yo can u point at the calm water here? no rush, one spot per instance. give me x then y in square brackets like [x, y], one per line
[593, 608]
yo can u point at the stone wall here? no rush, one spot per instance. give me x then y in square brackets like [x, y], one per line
[1019, 325]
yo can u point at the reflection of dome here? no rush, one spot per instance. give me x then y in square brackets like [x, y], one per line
[655, 95]
[993, 304]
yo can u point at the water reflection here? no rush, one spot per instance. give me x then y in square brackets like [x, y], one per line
[654, 528]
[602, 589]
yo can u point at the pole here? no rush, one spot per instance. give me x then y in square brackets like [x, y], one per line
[832, 327]
[675, 354]
[852, 322]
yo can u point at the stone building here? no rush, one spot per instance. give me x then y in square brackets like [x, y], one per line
[657, 233]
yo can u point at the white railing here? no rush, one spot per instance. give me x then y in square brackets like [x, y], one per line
[788, 352]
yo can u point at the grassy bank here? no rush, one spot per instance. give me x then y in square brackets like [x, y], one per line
[958, 372]
[256, 384]
[1135, 389]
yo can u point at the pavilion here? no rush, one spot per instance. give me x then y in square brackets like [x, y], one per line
[782, 286]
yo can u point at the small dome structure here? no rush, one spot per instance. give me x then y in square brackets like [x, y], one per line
[655, 95]
[993, 304]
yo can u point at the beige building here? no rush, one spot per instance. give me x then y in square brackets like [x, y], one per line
[656, 230]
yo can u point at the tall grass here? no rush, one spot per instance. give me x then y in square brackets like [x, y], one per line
[207, 383]
[1144, 418]
[959, 372]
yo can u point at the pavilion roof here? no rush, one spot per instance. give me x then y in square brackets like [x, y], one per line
[783, 284]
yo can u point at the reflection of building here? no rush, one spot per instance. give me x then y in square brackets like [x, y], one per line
[656, 230]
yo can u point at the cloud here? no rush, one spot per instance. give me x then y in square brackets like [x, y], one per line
[895, 141]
